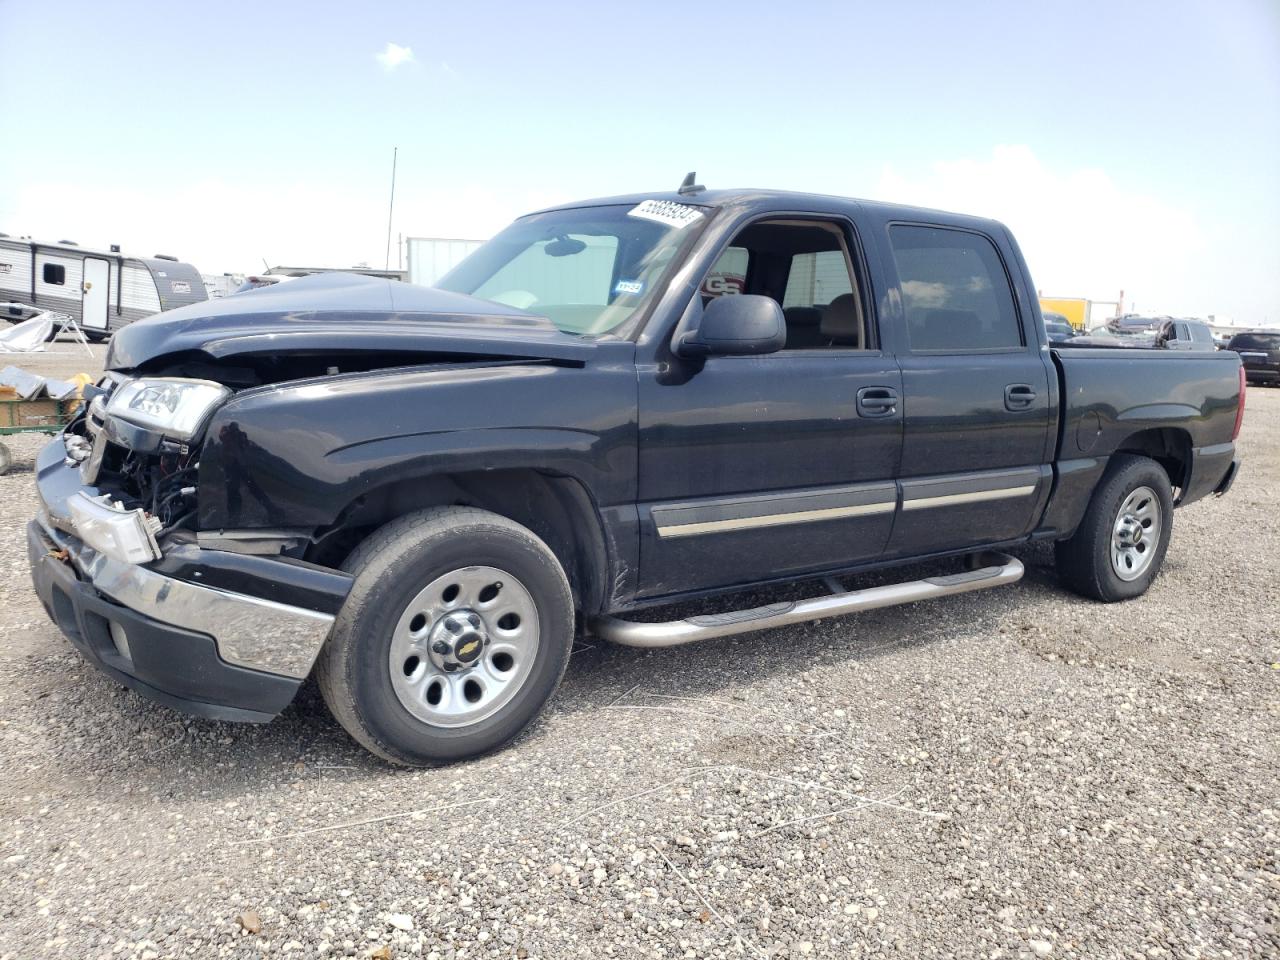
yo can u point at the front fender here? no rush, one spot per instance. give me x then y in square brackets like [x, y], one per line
[296, 455]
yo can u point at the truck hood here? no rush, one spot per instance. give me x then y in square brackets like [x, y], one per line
[343, 312]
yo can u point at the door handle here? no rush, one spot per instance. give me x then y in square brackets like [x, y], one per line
[1019, 396]
[877, 402]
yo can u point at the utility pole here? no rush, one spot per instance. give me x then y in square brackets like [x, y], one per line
[391, 209]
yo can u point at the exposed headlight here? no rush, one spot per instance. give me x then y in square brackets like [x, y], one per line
[127, 535]
[176, 408]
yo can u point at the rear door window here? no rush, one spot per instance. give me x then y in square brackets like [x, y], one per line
[955, 292]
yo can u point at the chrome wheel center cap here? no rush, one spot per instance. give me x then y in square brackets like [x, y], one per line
[1130, 532]
[457, 640]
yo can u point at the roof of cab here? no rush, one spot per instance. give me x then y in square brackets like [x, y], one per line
[771, 199]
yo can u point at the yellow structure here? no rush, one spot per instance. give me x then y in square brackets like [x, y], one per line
[1074, 309]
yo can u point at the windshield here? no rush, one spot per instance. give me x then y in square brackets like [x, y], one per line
[589, 270]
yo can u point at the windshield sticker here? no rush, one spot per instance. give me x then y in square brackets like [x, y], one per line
[628, 286]
[665, 211]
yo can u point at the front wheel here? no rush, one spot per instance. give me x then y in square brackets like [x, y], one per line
[456, 632]
[1120, 544]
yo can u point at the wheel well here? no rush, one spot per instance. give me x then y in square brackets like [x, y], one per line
[1168, 446]
[556, 508]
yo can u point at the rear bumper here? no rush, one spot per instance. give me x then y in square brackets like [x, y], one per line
[1230, 478]
[176, 667]
[1260, 374]
[1213, 470]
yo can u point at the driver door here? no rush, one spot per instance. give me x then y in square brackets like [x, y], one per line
[764, 467]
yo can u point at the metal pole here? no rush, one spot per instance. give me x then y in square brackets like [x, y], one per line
[386, 265]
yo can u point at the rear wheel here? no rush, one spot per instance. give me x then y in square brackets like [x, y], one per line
[1120, 544]
[456, 632]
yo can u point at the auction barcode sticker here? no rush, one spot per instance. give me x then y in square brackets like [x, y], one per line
[665, 211]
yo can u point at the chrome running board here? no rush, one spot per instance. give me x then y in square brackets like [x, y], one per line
[999, 569]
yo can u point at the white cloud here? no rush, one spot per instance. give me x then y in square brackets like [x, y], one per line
[1082, 233]
[393, 56]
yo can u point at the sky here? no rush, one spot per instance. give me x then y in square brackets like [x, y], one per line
[1129, 145]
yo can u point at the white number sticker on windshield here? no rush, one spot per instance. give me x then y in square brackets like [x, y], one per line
[665, 211]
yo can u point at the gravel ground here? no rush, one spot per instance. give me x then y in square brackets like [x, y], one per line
[1018, 773]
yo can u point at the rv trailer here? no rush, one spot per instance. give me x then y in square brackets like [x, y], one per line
[102, 292]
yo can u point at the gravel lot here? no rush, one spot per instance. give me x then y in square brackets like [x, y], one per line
[1018, 773]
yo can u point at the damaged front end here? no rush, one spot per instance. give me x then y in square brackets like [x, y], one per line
[138, 446]
[117, 565]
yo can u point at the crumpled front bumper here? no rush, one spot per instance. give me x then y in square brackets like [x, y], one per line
[206, 648]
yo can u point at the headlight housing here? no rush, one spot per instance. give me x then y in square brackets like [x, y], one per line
[176, 408]
[126, 535]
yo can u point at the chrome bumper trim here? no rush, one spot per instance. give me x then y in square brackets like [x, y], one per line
[248, 631]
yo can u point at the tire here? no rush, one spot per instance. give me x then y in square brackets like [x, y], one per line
[1112, 555]
[6, 459]
[420, 605]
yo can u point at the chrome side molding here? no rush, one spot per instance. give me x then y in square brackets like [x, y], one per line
[998, 569]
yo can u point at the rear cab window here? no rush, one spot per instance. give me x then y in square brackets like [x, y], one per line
[955, 292]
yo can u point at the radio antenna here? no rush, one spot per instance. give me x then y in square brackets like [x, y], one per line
[391, 209]
[688, 187]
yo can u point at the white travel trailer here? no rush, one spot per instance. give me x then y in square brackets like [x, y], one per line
[101, 291]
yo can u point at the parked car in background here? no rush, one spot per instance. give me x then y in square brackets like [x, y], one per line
[1260, 353]
[1107, 335]
[1185, 335]
[1132, 324]
[258, 281]
[1057, 327]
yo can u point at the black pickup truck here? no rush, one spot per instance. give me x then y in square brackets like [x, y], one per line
[422, 494]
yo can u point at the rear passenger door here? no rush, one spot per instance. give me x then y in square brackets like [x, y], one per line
[976, 394]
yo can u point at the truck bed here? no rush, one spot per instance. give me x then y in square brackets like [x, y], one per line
[1107, 408]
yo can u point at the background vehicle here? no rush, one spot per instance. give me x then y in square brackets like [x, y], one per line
[1259, 351]
[1057, 327]
[1185, 335]
[1108, 335]
[1081, 312]
[416, 492]
[259, 281]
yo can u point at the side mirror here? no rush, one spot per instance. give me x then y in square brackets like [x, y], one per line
[735, 325]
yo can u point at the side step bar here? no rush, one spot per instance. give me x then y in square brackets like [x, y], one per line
[999, 569]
